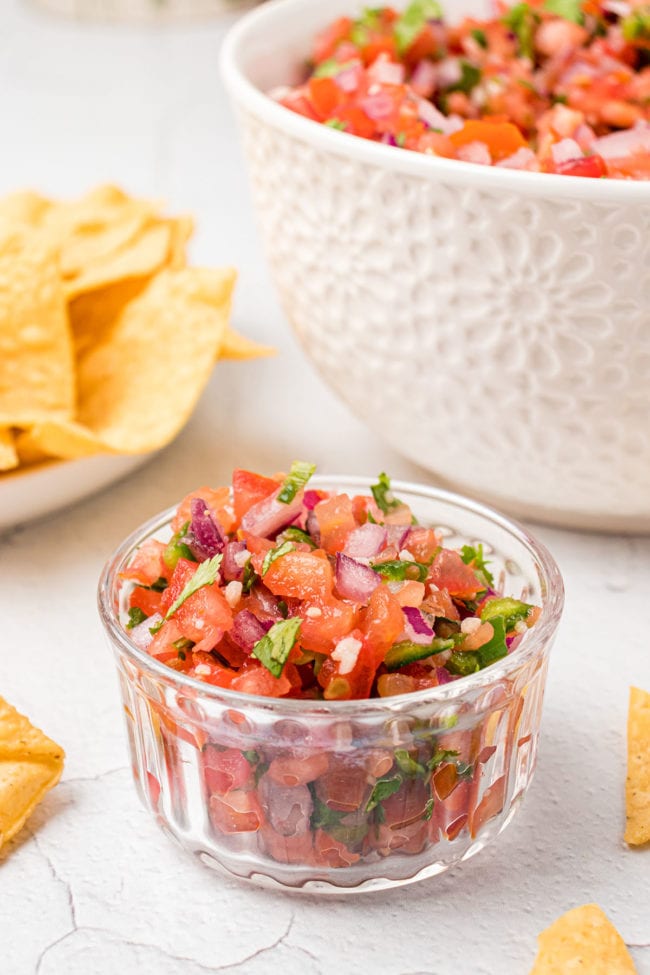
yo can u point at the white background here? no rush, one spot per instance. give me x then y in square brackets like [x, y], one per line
[91, 887]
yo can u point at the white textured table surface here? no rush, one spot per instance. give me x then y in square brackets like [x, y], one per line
[91, 887]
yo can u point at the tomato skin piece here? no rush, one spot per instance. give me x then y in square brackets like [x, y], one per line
[422, 543]
[237, 812]
[148, 564]
[449, 572]
[148, 600]
[248, 489]
[302, 575]
[590, 166]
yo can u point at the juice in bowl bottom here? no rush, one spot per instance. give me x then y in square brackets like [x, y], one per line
[334, 685]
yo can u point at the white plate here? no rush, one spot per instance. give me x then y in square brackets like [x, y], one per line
[36, 491]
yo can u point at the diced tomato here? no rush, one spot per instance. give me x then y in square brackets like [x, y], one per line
[148, 600]
[205, 616]
[383, 622]
[162, 646]
[503, 139]
[256, 679]
[335, 618]
[330, 852]
[225, 769]
[449, 572]
[236, 812]
[148, 564]
[288, 849]
[248, 489]
[335, 522]
[218, 501]
[439, 603]
[410, 593]
[591, 166]
[422, 543]
[325, 96]
[303, 575]
[340, 683]
[290, 771]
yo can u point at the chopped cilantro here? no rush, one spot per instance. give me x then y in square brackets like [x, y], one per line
[336, 123]
[284, 609]
[182, 644]
[383, 495]
[251, 756]
[332, 67]
[469, 78]
[276, 553]
[636, 26]
[249, 578]
[159, 585]
[136, 616]
[567, 9]
[383, 789]
[400, 139]
[322, 816]
[407, 764]
[274, 648]
[428, 809]
[397, 570]
[441, 756]
[295, 480]
[523, 22]
[479, 37]
[412, 22]
[297, 535]
[205, 575]
[465, 770]
[474, 557]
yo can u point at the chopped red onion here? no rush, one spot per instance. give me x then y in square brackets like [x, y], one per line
[141, 634]
[416, 628]
[247, 630]
[311, 499]
[423, 79]
[366, 542]
[268, 516]
[378, 106]
[349, 79]
[354, 580]
[449, 72]
[443, 675]
[475, 152]
[523, 158]
[398, 536]
[231, 570]
[312, 528]
[625, 143]
[565, 150]
[205, 536]
[268, 603]
[383, 71]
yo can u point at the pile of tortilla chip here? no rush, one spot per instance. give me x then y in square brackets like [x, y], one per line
[637, 786]
[582, 940]
[107, 337]
[30, 764]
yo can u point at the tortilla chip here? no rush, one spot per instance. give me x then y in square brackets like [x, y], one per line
[8, 454]
[181, 229]
[30, 765]
[25, 207]
[139, 385]
[94, 314]
[582, 941]
[637, 786]
[36, 356]
[146, 253]
[236, 346]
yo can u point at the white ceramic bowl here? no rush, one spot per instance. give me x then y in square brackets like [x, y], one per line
[492, 325]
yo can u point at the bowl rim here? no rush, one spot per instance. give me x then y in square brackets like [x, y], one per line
[263, 20]
[537, 639]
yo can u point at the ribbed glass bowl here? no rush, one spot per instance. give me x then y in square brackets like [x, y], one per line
[338, 796]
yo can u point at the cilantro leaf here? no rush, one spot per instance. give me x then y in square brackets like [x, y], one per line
[523, 22]
[295, 480]
[636, 26]
[205, 575]
[407, 764]
[567, 9]
[336, 123]
[411, 23]
[249, 578]
[136, 616]
[474, 557]
[297, 535]
[440, 756]
[428, 809]
[322, 816]
[276, 553]
[274, 648]
[397, 570]
[251, 756]
[480, 37]
[469, 78]
[383, 495]
[384, 788]
[332, 67]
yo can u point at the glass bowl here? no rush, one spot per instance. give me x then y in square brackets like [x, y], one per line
[336, 796]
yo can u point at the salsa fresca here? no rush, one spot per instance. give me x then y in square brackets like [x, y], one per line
[554, 86]
[273, 588]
